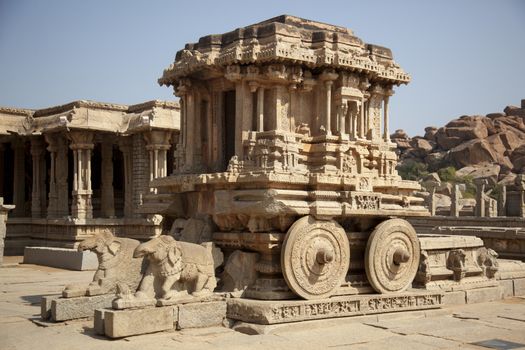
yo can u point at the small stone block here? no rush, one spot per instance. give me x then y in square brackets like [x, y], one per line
[98, 323]
[483, 295]
[45, 306]
[508, 288]
[124, 323]
[519, 286]
[63, 309]
[454, 298]
[197, 315]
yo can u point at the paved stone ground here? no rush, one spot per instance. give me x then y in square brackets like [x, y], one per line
[21, 287]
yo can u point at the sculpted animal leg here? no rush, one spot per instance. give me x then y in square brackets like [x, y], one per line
[146, 289]
[204, 285]
[171, 287]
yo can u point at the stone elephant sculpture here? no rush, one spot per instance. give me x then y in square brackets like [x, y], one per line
[176, 269]
[116, 265]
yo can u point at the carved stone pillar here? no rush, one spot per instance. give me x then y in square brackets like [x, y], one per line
[38, 195]
[386, 121]
[107, 198]
[502, 201]
[454, 206]
[82, 146]
[362, 120]
[328, 111]
[19, 192]
[260, 109]
[126, 147]
[341, 114]
[480, 197]
[58, 191]
[158, 143]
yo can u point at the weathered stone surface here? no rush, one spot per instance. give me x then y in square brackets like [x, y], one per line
[176, 269]
[454, 298]
[197, 315]
[98, 322]
[483, 295]
[124, 323]
[117, 266]
[63, 309]
[519, 286]
[517, 158]
[60, 257]
[486, 171]
[4, 209]
[272, 312]
[239, 272]
[507, 287]
[45, 305]
[430, 133]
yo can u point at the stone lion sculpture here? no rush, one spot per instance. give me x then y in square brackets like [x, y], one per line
[116, 265]
[176, 270]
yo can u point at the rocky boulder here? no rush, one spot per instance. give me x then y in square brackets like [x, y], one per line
[486, 171]
[517, 157]
[472, 152]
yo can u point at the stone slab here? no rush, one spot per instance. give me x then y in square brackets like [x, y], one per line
[63, 309]
[45, 305]
[484, 295]
[63, 258]
[197, 315]
[519, 286]
[283, 311]
[124, 323]
[508, 288]
[98, 322]
[455, 298]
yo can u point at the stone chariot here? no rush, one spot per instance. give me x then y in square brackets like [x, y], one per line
[285, 150]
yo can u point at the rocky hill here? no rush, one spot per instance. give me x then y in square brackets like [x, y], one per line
[467, 148]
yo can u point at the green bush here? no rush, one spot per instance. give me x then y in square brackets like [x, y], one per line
[447, 174]
[412, 170]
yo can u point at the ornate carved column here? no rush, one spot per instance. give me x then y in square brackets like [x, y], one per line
[158, 143]
[107, 198]
[82, 146]
[343, 110]
[126, 147]
[19, 192]
[328, 111]
[386, 121]
[38, 195]
[260, 109]
[58, 192]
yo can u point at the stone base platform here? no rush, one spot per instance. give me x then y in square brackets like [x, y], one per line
[63, 258]
[124, 323]
[57, 309]
[283, 311]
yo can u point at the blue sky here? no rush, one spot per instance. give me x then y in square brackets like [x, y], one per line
[465, 56]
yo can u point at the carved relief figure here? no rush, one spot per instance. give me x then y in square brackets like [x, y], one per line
[487, 260]
[116, 265]
[176, 269]
[456, 263]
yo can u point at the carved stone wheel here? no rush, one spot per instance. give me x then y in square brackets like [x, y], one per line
[315, 257]
[392, 256]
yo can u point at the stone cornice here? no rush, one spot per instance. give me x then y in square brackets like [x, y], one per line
[17, 111]
[76, 115]
[286, 39]
[78, 104]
